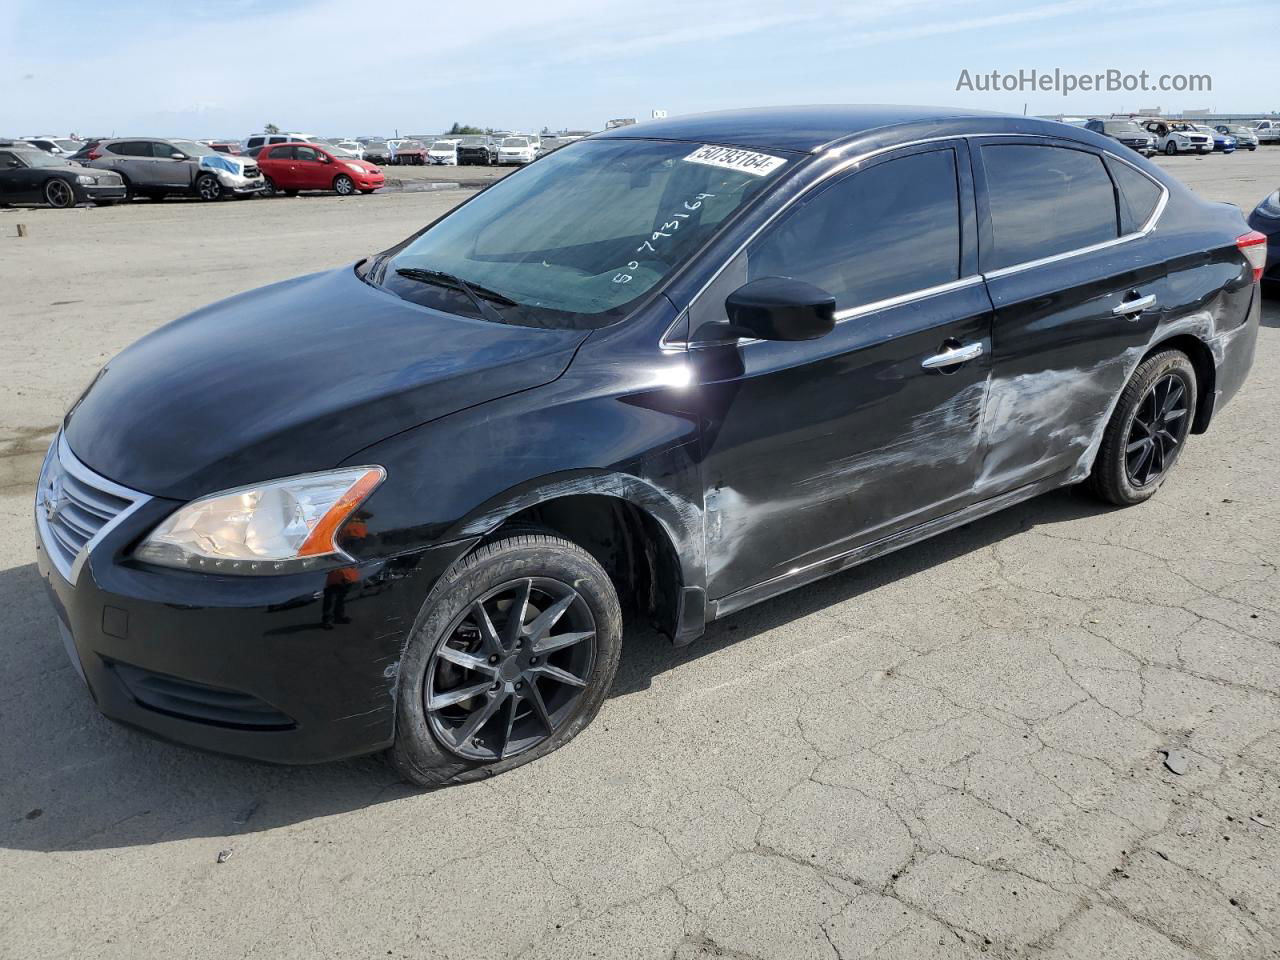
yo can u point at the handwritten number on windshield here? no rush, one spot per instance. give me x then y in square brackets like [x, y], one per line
[667, 229]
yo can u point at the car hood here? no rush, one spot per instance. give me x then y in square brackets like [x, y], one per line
[294, 378]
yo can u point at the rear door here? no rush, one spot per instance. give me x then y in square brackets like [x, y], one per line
[278, 164]
[817, 447]
[1077, 294]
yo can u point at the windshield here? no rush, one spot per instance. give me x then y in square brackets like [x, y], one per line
[38, 158]
[1182, 127]
[193, 149]
[1122, 126]
[444, 145]
[515, 142]
[473, 141]
[576, 239]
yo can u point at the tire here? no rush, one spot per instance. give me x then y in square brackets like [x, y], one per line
[343, 185]
[1171, 149]
[268, 188]
[208, 187]
[1117, 475]
[444, 745]
[59, 194]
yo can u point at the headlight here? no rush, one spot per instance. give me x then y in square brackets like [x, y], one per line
[82, 178]
[1271, 205]
[355, 167]
[279, 527]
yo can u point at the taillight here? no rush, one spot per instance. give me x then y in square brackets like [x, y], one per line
[1254, 247]
[94, 154]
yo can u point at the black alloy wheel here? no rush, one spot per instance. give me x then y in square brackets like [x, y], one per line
[1159, 427]
[512, 669]
[208, 187]
[1149, 427]
[59, 194]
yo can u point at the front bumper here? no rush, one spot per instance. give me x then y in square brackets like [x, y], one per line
[244, 187]
[113, 191]
[289, 669]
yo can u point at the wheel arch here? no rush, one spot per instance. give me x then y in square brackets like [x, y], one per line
[1206, 373]
[649, 540]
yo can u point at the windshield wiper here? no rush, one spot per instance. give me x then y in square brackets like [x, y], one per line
[480, 296]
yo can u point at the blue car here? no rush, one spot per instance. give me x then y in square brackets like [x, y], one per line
[1222, 142]
[1266, 220]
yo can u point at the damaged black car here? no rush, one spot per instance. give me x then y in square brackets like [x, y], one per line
[664, 373]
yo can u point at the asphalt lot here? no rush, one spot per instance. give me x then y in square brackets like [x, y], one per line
[952, 750]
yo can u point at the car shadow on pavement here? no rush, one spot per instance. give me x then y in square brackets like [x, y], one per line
[72, 780]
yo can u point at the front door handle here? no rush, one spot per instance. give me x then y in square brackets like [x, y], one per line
[952, 356]
[1130, 307]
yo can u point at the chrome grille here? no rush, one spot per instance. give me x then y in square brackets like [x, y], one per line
[251, 170]
[75, 508]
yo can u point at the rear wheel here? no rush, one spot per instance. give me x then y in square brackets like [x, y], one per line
[268, 188]
[209, 187]
[343, 185]
[511, 657]
[1147, 431]
[59, 194]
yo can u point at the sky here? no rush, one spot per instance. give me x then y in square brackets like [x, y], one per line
[352, 68]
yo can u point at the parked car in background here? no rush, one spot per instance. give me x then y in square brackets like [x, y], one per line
[443, 152]
[1267, 131]
[354, 147]
[1266, 220]
[291, 167]
[1222, 142]
[86, 146]
[1246, 139]
[256, 141]
[408, 152]
[402, 506]
[58, 146]
[376, 151]
[31, 175]
[517, 150]
[225, 146]
[1178, 136]
[1125, 131]
[157, 168]
[477, 151]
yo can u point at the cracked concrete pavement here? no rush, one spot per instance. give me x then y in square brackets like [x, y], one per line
[952, 751]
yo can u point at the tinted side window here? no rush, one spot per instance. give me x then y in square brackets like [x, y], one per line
[305, 153]
[163, 151]
[254, 142]
[282, 153]
[1138, 196]
[1046, 200]
[879, 233]
[6, 157]
[131, 148]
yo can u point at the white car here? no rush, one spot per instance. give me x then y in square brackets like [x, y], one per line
[443, 152]
[58, 146]
[1179, 136]
[1267, 131]
[256, 140]
[517, 150]
[353, 147]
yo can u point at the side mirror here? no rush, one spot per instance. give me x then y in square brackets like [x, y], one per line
[774, 308]
[177, 156]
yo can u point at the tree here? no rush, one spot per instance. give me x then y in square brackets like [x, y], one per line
[270, 128]
[464, 128]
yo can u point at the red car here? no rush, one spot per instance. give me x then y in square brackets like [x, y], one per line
[290, 167]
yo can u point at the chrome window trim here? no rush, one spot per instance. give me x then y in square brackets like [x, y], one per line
[67, 460]
[666, 344]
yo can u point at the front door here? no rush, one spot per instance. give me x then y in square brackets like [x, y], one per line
[815, 448]
[311, 172]
[1076, 305]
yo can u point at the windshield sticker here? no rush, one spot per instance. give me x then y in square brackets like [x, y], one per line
[731, 158]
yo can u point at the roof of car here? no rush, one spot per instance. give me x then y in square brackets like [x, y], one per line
[806, 129]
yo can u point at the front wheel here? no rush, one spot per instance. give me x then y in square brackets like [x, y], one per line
[343, 185]
[1170, 148]
[208, 187]
[1147, 430]
[512, 656]
[59, 194]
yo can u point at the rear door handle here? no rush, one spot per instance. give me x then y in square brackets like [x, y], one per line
[1134, 306]
[953, 356]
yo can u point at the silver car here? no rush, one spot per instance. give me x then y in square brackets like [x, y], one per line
[156, 168]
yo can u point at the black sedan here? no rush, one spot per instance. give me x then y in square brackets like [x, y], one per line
[1266, 220]
[675, 369]
[29, 175]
